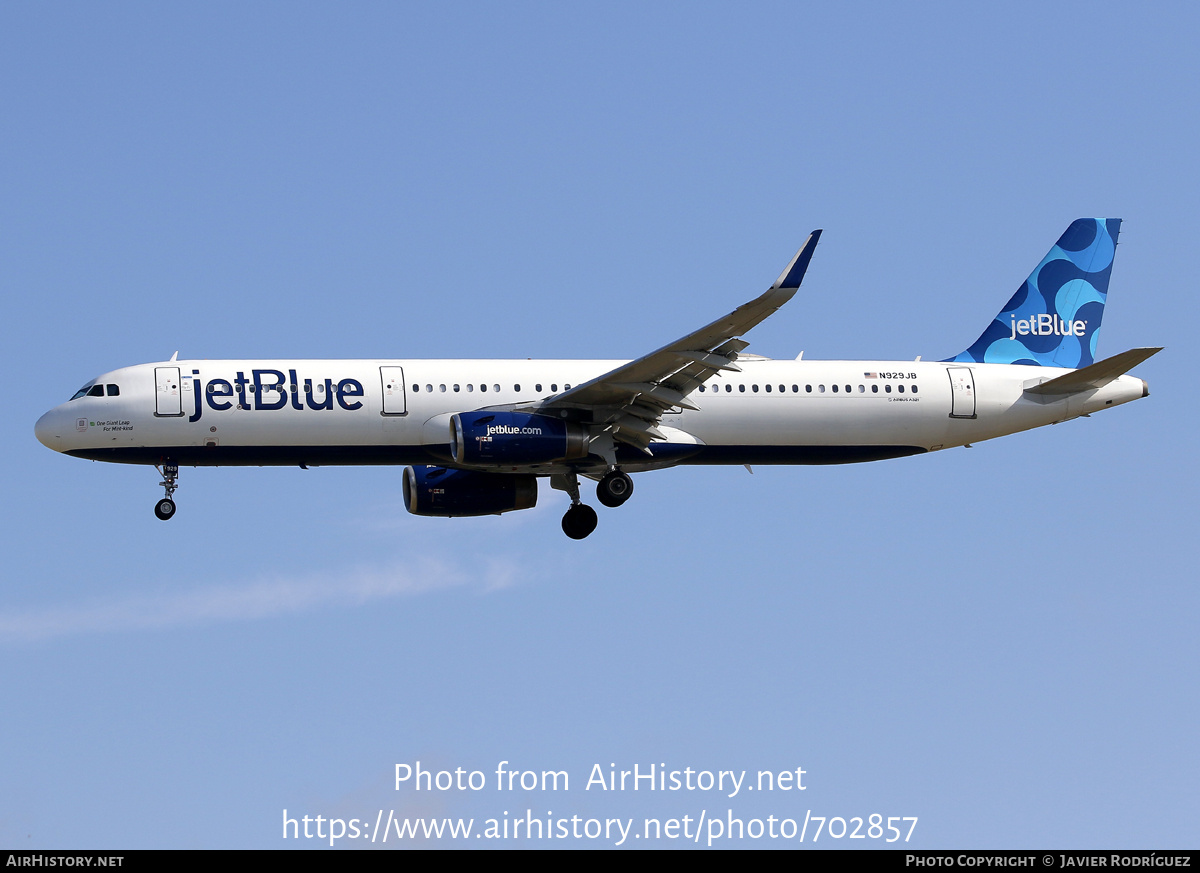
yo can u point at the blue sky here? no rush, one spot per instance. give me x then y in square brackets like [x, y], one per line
[998, 640]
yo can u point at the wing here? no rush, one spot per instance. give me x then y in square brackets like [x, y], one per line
[631, 399]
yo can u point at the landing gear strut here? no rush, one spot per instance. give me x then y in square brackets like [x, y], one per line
[580, 519]
[165, 508]
[614, 489]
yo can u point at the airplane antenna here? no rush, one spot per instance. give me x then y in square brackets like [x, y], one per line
[176, 355]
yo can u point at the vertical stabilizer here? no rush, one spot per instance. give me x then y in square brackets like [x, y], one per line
[1054, 318]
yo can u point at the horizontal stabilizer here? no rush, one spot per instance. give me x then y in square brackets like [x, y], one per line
[1095, 376]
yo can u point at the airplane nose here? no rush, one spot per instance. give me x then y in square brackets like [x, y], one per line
[48, 430]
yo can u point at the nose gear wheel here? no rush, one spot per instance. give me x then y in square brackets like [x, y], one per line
[165, 508]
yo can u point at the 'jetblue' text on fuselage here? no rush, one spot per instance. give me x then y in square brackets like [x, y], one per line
[270, 389]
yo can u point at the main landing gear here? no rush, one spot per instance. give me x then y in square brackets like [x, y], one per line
[165, 508]
[614, 489]
[580, 520]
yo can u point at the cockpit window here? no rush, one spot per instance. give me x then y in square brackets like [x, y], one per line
[97, 390]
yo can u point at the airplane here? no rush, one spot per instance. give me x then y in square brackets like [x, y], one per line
[476, 435]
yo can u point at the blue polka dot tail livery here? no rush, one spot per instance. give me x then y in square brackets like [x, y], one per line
[1054, 318]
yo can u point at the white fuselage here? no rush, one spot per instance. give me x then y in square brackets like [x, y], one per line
[201, 413]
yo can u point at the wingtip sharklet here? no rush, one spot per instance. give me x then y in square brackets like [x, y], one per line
[793, 275]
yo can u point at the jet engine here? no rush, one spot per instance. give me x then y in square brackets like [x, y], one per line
[444, 492]
[515, 438]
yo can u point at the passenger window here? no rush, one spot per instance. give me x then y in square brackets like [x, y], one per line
[887, 389]
[900, 388]
[553, 386]
[742, 388]
[517, 388]
[914, 389]
[768, 387]
[821, 389]
[808, 389]
[755, 387]
[470, 387]
[456, 389]
[442, 389]
[847, 389]
[874, 389]
[496, 388]
[416, 388]
[482, 386]
[834, 389]
[728, 389]
[429, 388]
[114, 391]
[537, 387]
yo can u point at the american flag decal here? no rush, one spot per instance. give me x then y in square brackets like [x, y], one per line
[870, 375]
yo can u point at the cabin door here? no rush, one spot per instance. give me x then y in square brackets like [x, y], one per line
[962, 392]
[393, 390]
[167, 400]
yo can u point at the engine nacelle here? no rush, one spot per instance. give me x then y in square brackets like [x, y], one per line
[444, 492]
[516, 438]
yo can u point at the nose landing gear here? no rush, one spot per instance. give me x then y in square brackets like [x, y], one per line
[165, 508]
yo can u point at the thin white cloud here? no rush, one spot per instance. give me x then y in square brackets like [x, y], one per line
[253, 600]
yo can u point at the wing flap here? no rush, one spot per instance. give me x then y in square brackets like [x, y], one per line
[660, 394]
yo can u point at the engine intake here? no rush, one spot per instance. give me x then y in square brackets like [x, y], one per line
[516, 438]
[440, 491]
